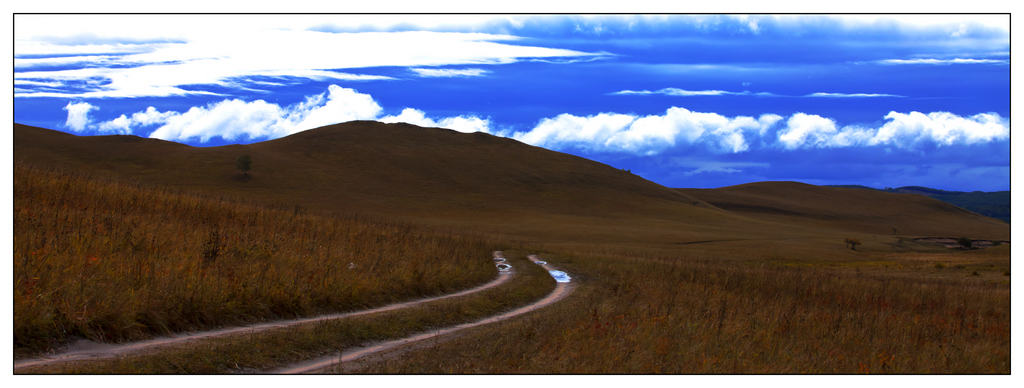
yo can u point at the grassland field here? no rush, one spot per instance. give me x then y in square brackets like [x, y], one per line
[119, 239]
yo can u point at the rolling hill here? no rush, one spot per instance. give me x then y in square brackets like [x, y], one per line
[754, 278]
[995, 204]
[853, 209]
[428, 175]
[494, 185]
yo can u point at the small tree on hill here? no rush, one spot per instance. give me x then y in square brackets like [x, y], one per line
[852, 242]
[965, 242]
[244, 164]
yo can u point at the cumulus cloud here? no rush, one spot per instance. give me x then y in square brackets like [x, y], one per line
[233, 119]
[237, 119]
[78, 115]
[679, 127]
[612, 132]
[449, 72]
[465, 124]
[123, 124]
[942, 128]
[902, 130]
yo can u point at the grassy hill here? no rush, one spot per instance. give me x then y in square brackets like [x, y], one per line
[493, 184]
[853, 209]
[994, 204]
[429, 175]
[752, 278]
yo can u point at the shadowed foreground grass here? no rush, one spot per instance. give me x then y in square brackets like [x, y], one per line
[277, 348]
[115, 261]
[637, 314]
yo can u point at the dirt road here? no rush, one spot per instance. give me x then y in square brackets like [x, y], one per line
[563, 289]
[88, 350]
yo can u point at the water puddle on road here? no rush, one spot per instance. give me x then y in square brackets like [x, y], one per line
[560, 276]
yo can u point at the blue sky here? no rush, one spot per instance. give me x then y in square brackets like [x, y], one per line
[683, 100]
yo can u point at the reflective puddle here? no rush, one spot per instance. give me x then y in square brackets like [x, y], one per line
[560, 276]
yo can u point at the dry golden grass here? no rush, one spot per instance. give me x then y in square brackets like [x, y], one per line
[857, 210]
[694, 314]
[265, 351]
[668, 282]
[112, 261]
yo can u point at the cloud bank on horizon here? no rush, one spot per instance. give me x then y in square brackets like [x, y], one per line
[604, 132]
[686, 101]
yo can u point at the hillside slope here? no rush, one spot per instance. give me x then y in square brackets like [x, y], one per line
[995, 204]
[403, 171]
[852, 209]
[494, 185]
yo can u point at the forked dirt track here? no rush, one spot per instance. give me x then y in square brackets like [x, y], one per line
[563, 289]
[100, 351]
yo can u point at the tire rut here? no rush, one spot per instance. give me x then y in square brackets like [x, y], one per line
[101, 351]
[563, 289]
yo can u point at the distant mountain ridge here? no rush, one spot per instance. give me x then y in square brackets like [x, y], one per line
[995, 204]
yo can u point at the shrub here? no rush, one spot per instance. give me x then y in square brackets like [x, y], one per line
[853, 243]
[244, 163]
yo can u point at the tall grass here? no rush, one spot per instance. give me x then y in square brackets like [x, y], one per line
[269, 350]
[113, 261]
[636, 314]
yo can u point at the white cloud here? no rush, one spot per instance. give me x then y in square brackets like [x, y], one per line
[612, 132]
[465, 124]
[449, 72]
[22, 63]
[956, 23]
[850, 95]
[589, 132]
[121, 125]
[721, 170]
[604, 132]
[238, 120]
[688, 93]
[78, 115]
[807, 131]
[343, 104]
[903, 130]
[933, 61]
[228, 119]
[942, 128]
[767, 121]
[160, 63]
[124, 124]
[649, 135]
